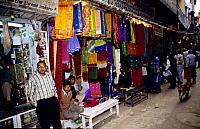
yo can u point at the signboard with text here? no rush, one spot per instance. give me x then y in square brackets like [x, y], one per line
[49, 7]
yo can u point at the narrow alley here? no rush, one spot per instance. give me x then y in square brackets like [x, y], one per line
[160, 111]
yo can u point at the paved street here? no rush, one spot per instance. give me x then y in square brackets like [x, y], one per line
[160, 111]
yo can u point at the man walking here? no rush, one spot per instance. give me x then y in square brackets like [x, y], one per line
[42, 94]
[179, 62]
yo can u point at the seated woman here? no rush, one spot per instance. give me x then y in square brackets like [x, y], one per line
[70, 108]
[81, 89]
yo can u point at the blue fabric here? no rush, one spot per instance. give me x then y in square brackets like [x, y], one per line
[100, 48]
[78, 18]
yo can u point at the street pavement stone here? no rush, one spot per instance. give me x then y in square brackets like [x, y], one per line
[160, 111]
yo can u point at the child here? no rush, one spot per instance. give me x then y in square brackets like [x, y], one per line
[70, 108]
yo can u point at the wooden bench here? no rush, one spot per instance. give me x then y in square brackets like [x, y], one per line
[92, 112]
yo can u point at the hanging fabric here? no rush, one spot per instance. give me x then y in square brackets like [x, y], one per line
[132, 49]
[92, 58]
[136, 77]
[115, 28]
[55, 47]
[73, 45]
[65, 55]
[102, 73]
[102, 59]
[85, 72]
[99, 42]
[98, 22]
[108, 25]
[124, 49]
[145, 41]
[124, 29]
[140, 31]
[58, 73]
[7, 35]
[95, 89]
[84, 55]
[103, 23]
[77, 64]
[120, 28]
[133, 31]
[118, 64]
[100, 48]
[78, 18]
[93, 22]
[92, 73]
[91, 46]
[110, 52]
[128, 30]
[86, 17]
[63, 21]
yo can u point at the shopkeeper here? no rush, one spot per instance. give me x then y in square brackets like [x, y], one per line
[42, 94]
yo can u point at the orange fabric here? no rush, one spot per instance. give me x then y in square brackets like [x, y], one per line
[108, 25]
[98, 22]
[92, 58]
[86, 17]
[63, 21]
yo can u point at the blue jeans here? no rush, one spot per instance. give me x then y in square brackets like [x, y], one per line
[179, 73]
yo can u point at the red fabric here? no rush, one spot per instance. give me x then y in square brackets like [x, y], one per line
[102, 56]
[65, 56]
[84, 73]
[91, 103]
[136, 77]
[58, 74]
[77, 63]
[102, 72]
[51, 56]
[131, 48]
[140, 38]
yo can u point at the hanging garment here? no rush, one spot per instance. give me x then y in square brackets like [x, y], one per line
[119, 30]
[77, 64]
[103, 23]
[102, 59]
[63, 21]
[124, 49]
[109, 53]
[124, 29]
[133, 31]
[78, 18]
[93, 22]
[73, 45]
[95, 89]
[84, 55]
[118, 64]
[85, 73]
[108, 25]
[99, 42]
[132, 49]
[92, 73]
[92, 58]
[137, 79]
[100, 48]
[133, 61]
[7, 35]
[140, 31]
[58, 73]
[115, 28]
[102, 73]
[65, 55]
[128, 30]
[145, 41]
[98, 22]
[86, 17]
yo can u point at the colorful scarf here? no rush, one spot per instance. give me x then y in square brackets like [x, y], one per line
[86, 17]
[78, 18]
[98, 22]
[63, 21]
[93, 23]
[110, 52]
[84, 55]
[108, 25]
[73, 45]
[92, 58]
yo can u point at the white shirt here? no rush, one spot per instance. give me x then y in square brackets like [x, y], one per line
[179, 58]
[41, 87]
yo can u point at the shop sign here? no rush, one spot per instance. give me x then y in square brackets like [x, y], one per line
[49, 7]
[158, 31]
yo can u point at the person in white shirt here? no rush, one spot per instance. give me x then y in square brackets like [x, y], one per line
[179, 62]
[42, 93]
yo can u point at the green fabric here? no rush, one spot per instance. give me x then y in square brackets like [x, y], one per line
[84, 55]
[91, 47]
[99, 43]
[92, 73]
[124, 48]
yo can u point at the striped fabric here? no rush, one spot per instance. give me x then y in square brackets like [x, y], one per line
[41, 87]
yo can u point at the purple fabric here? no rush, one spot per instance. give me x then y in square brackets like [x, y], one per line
[120, 33]
[73, 45]
[110, 52]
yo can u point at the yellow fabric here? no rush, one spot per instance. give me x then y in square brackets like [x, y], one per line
[108, 25]
[99, 42]
[63, 21]
[132, 32]
[92, 58]
[93, 22]
[86, 18]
